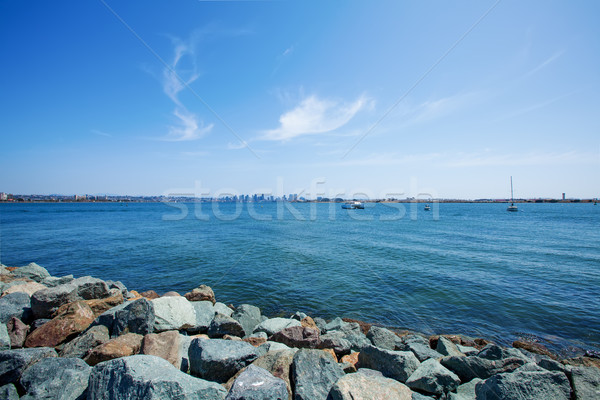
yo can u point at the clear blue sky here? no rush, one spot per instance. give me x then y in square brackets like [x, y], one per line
[377, 97]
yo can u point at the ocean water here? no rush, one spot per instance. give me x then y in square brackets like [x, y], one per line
[460, 268]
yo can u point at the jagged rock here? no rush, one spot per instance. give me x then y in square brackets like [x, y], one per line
[53, 281]
[32, 271]
[420, 347]
[165, 345]
[132, 317]
[38, 323]
[14, 362]
[335, 340]
[15, 305]
[432, 377]
[331, 353]
[468, 368]
[274, 325]
[75, 319]
[201, 293]
[9, 392]
[321, 323]
[308, 322]
[150, 294]
[248, 316]
[352, 359]
[173, 313]
[364, 386]
[147, 377]
[221, 308]
[551, 365]
[384, 338]
[447, 348]
[26, 287]
[533, 347]
[4, 337]
[397, 365]
[255, 341]
[17, 331]
[419, 396]
[122, 346]
[466, 391]
[98, 306]
[585, 382]
[56, 378]
[217, 359]
[297, 336]
[184, 349]
[118, 285]
[495, 352]
[467, 350]
[299, 315]
[222, 325]
[230, 337]
[256, 383]
[82, 344]
[314, 372]
[270, 346]
[335, 324]
[525, 383]
[171, 294]
[205, 312]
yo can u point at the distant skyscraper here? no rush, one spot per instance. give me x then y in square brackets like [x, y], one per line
[563, 196]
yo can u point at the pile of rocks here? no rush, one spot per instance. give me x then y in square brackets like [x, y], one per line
[82, 338]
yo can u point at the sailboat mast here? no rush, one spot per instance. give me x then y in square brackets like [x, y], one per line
[512, 198]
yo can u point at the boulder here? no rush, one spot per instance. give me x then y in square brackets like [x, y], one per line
[14, 362]
[82, 344]
[467, 350]
[221, 308]
[53, 281]
[26, 287]
[397, 365]
[308, 322]
[165, 345]
[274, 325]
[4, 337]
[147, 377]
[205, 312]
[56, 378]
[335, 340]
[351, 359]
[585, 382]
[321, 323]
[184, 349]
[270, 346]
[9, 392]
[468, 368]
[447, 348]
[119, 286]
[99, 306]
[201, 293]
[173, 313]
[420, 347]
[278, 363]
[525, 383]
[363, 386]
[431, 377]
[222, 325]
[150, 294]
[297, 336]
[17, 331]
[132, 317]
[75, 319]
[533, 347]
[384, 338]
[38, 323]
[256, 383]
[495, 352]
[32, 271]
[248, 316]
[171, 294]
[255, 340]
[217, 359]
[466, 391]
[122, 346]
[335, 324]
[314, 372]
[15, 305]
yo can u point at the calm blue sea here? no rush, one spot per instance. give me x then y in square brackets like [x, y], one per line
[463, 268]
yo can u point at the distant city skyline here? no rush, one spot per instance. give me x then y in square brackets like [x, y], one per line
[387, 99]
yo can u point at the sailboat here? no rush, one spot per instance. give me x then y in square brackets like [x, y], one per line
[512, 206]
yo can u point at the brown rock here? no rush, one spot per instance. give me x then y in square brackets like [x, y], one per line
[122, 346]
[297, 336]
[171, 294]
[201, 293]
[133, 295]
[533, 347]
[164, 345]
[582, 361]
[364, 326]
[332, 353]
[231, 337]
[17, 331]
[308, 322]
[480, 343]
[26, 287]
[351, 358]
[98, 306]
[11, 269]
[74, 319]
[200, 336]
[255, 341]
[150, 294]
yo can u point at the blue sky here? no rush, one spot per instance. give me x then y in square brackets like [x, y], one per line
[382, 98]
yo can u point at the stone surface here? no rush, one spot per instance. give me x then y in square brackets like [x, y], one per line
[184, 349]
[118, 285]
[171, 294]
[222, 308]
[397, 365]
[351, 359]
[420, 347]
[431, 377]
[136, 316]
[217, 359]
[248, 316]
[53, 281]
[308, 322]
[201, 293]
[149, 378]
[56, 378]
[205, 313]
[17, 331]
[150, 294]
[495, 352]
[32, 271]
[314, 373]
[27, 287]
[165, 345]
[4, 337]
[14, 362]
[222, 325]
[98, 306]
[274, 325]
[447, 348]
[467, 350]
[466, 391]
[586, 382]
[255, 341]
[75, 319]
[335, 340]
[361, 386]
[15, 305]
[82, 344]
[468, 368]
[122, 346]
[297, 336]
[384, 338]
[270, 346]
[9, 392]
[256, 383]
[534, 347]
[173, 313]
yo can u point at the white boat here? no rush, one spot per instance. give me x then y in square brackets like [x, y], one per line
[353, 205]
[427, 207]
[512, 206]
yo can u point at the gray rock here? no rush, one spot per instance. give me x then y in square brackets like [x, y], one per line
[147, 377]
[131, 317]
[397, 365]
[321, 323]
[270, 346]
[468, 368]
[586, 382]
[173, 313]
[369, 371]
[222, 308]
[314, 372]
[259, 335]
[217, 359]
[39, 323]
[222, 325]
[9, 392]
[336, 341]
[274, 325]
[363, 386]
[431, 377]
[447, 348]
[4, 338]
[56, 378]
[298, 336]
[53, 281]
[14, 362]
[419, 396]
[384, 338]
[466, 391]
[118, 285]
[256, 383]
[184, 348]
[467, 350]
[495, 352]
[550, 364]
[298, 315]
[82, 344]
[248, 316]
[15, 305]
[205, 313]
[335, 324]
[420, 347]
[32, 271]
[525, 385]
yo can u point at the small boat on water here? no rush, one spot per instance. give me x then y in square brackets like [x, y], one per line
[512, 206]
[353, 205]
[427, 207]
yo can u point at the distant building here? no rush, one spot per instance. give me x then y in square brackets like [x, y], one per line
[3, 196]
[563, 196]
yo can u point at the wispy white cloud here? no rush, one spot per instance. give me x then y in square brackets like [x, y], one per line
[314, 115]
[545, 63]
[188, 129]
[100, 133]
[236, 146]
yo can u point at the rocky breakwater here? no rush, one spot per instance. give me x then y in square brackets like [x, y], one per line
[86, 338]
